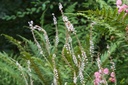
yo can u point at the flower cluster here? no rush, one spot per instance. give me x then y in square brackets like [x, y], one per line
[100, 76]
[112, 78]
[68, 24]
[121, 7]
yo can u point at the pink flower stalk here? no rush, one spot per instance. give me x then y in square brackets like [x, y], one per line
[118, 2]
[97, 78]
[126, 10]
[122, 8]
[97, 75]
[106, 71]
[112, 74]
[112, 79]
[97, 81]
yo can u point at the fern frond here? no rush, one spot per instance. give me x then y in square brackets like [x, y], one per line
[71, 8]
[31, 47]
[107, 15]
[10, 71]
[14, 41]
[105, 56]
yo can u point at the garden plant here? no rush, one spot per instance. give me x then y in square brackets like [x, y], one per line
[84, 47]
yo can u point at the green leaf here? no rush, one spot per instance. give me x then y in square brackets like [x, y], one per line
[33, 9]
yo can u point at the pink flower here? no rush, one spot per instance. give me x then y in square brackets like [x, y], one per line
[122, 8]
[118, 2]
[112, 74]
[97, 74]
[106, 71]
[97, 81]
[102, 81]
[97, 78]
[112, 79]
[126, 10]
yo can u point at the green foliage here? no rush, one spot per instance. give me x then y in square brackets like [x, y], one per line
[15, 15]
[28, 11]
[99, 33]
[9, 71]
[110, 27]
